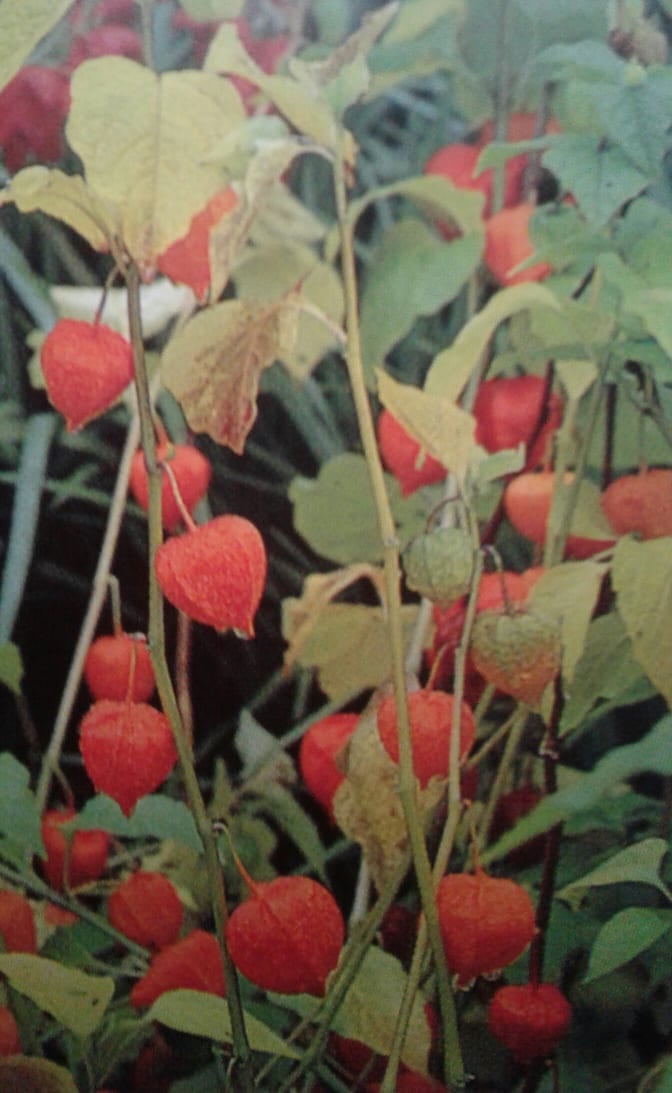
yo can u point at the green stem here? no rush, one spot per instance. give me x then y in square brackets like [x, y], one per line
[392, 575]
[157, 648]
[501, 101]
[70, 903]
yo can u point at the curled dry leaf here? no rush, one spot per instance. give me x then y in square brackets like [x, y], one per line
[367, 805]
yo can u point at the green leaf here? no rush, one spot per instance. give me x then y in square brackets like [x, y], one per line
[625, 936]
[19, 819]
[642, 578]
[636, 115]
[413, 273]
[654, 307]
[78, 1001]
[637, 864]
[144, 140]
[200, 1014]
[343, 486]
[283, 808]
[452, 367]
[606, 675]
[652, 753]
[422, 39]
[599, 176]
[21, 1075]
[22, 26]
[435, 195]
[576, 376]
[590, 60]
[154, 816]
[569, 593]
[659, 1078]
[11, 667]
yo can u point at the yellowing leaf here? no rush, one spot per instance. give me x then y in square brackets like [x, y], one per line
[297, 104]
[228, 237]
[442, 428]
[642, 578]
[299, 616]
[21, 28]
[201, 1014]
[11, 667]
[282, 218]
[349, 648]
[75, 999]
[344, 77]
[452, 367]
[269, 272]
[213, 363]
[569, 593]
[371, 1008]
[66, 197]
[144, 140]
[367, 805]
[18, 1074]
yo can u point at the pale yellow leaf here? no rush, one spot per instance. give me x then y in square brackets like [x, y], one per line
[213, 363]
[451, 368]
[303, 111]
[299, 616]
[228, 237]
[441, 427]
[568, 593]
[144, 139]
[65, 197]
[349, 646]
[22, 25]
[642, 578]
[20, 1074]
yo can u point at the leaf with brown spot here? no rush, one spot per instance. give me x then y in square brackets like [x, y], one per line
[213, 363]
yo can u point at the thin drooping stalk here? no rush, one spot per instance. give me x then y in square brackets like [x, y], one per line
[550, 755]
[518, 723]
[559, 525]
[166, 691]
[99, 589]
[453, 1065]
